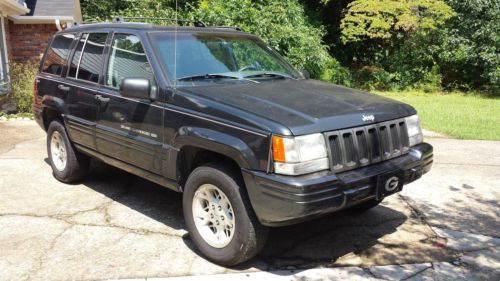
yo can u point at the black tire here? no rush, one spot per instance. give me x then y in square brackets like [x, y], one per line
[365, 206]
[249, 236]
[77, 164]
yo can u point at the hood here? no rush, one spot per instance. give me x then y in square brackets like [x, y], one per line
[305, 106]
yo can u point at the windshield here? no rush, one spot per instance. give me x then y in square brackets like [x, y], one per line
[220, 58]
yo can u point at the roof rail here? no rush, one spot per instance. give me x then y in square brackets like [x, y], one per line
[195, 23]
[237, 28]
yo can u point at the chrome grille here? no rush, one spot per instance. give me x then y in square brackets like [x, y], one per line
[361, 146]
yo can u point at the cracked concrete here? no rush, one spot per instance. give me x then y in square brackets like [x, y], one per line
[115, 225]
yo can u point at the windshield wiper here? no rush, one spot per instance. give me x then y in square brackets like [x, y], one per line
[269, 74]
[207, 76]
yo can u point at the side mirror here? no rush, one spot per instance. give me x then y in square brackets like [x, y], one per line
[138, 88]
[306, 74]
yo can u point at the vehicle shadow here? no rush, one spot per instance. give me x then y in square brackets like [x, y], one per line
[320, 242]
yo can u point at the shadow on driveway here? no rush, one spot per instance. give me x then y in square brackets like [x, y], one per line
[326, 241]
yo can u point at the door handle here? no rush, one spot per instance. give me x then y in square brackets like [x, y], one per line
[63, 88]
[101, 99]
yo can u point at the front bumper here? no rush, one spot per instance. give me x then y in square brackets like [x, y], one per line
[283, 200]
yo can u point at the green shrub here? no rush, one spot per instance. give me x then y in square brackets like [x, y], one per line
[336, 73]
[469, 46]
[374, 78]
[22, 78]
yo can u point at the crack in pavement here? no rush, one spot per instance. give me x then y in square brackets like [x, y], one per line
[417, 213]
[141, 231]
[42, 257]
[105, 205]
[369, 272]
[417, 273]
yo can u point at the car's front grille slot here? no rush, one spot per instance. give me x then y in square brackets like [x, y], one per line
[366, 145]
[403, 136]
[374, 144]
[396, 143]
[336, 152]
[363, 154]
[350, 150]
[385, 142]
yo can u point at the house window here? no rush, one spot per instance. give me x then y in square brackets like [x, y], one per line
[4, 74]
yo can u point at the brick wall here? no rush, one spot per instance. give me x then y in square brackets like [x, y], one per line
[28, 41]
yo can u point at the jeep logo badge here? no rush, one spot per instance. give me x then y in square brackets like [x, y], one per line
[391, 184]
[367, 118]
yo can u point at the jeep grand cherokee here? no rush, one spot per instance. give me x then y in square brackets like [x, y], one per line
[216, 114]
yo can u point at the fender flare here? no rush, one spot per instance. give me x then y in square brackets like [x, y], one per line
[54, 103]
[215, 141]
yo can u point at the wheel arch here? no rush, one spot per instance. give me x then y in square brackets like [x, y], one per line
[198, 146]
[53, 108]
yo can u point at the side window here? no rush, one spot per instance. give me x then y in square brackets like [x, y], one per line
[57, 54]
[87, 60]
[127, 60]
[77, 56]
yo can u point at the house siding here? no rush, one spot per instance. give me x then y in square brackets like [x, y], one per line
[28, 41]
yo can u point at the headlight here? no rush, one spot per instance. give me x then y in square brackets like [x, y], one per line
[414, 130]
[299, 155]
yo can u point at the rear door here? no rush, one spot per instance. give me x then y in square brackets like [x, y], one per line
[82, 85]
[128, 129]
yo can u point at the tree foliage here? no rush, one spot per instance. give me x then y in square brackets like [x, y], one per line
[468, 48]
[282, 24]
[380, 44]
[388, 19]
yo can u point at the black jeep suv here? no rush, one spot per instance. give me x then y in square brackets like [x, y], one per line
[218, 115]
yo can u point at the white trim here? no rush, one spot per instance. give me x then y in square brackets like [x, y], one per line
[41, 19]
[5, 55]
[11, 7]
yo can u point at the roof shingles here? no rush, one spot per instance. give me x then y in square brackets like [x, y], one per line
[51, 7]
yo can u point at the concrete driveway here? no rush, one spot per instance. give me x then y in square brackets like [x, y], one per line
[115, 225]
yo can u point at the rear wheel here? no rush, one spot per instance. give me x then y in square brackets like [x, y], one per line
[68, 165]
[219, 216]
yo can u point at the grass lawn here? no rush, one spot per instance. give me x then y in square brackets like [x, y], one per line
[458, 115]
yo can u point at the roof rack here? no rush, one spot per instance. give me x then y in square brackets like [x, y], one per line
[196, 23]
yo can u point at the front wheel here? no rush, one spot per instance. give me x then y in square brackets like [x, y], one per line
[219, 217]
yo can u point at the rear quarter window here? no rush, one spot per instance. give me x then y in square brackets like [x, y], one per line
[57, 54]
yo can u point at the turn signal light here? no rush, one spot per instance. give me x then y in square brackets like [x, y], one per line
[278, 149]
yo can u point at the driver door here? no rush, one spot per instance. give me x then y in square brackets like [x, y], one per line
[129, 130]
